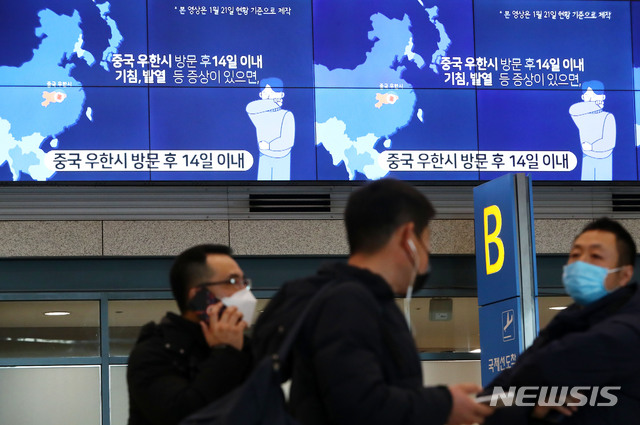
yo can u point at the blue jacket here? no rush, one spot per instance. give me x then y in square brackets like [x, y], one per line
[596, 345]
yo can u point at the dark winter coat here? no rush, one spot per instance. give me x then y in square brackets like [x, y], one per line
[596, 345]
[355, 361]
[173, 372]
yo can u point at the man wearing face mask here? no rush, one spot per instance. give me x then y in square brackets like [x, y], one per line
[593, 343]
[355, 361]
[186, 361]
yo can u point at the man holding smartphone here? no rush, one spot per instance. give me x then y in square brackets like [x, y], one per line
[186, 361]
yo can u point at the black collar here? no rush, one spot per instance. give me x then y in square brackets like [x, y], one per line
[577, 317]
[181, 331]
[372, 281]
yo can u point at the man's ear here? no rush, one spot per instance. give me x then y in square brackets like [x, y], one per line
[191, 292]
[626, 274]
[405, 233]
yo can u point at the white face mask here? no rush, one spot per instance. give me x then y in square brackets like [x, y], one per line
[245, 301]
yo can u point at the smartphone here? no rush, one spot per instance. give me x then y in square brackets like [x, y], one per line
[499, 401]
[201, 301]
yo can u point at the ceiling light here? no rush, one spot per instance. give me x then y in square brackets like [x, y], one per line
[57, 313]
[477, 350]
[558, 308]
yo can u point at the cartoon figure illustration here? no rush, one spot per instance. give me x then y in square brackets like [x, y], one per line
[597, 130]
[275, 131]
[52, 97]
[385, 99]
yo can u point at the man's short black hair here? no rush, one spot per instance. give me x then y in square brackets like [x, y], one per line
[624, 242]
[190, 268]
[377, 209]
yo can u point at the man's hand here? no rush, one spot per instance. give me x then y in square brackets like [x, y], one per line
[464, 409]
[540, 412]
[227, 328]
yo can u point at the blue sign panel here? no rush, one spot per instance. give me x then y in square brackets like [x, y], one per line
[496, 240]
[500, 337]
[505, 263]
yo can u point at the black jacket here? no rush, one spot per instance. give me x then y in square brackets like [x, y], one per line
[173, 372]
[355, 361]
[596, 345]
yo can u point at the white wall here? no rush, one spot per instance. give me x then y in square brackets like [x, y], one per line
[119, 395]
[451, 372]
[434, 372]
[52, 395]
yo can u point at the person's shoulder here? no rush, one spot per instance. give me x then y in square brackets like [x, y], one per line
[336, 287]
[351, 288]
[348, 298]
[630, 309]
[634, 298]
[334, 280]
[148, 332]
[150, 340]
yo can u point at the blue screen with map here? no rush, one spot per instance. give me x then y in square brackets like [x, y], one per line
[319, 90]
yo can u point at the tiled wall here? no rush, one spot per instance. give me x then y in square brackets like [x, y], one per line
[246, 237]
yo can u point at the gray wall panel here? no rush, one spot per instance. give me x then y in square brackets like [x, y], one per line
[50, 238]
[246, 237]
[288, 237]
[452, 237]
[141, 238]
[556, 236]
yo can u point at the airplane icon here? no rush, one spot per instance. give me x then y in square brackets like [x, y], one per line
[508, 326]
[509, 320]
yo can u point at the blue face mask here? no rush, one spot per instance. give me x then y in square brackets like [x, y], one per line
[584, 282]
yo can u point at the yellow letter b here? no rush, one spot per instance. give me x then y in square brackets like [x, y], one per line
[493, 238]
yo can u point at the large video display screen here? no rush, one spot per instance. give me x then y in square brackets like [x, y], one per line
[318, 90]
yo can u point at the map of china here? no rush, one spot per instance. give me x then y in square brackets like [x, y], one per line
[350, 122]
[43, 99]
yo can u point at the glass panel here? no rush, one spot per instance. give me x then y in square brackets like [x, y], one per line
[126, 318]
[49, 329]
[118, 395]
[451, 324]
[440, 324]
[52, 395]
[549, 307]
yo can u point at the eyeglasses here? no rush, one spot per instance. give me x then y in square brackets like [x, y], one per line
[240, 281]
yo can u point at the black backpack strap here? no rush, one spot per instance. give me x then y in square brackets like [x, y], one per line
[387, 338]
[280, 357]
